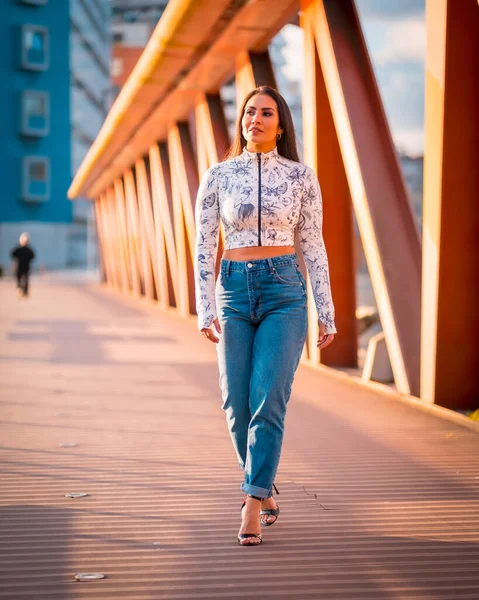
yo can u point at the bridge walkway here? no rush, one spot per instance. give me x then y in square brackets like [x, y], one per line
[110, 397]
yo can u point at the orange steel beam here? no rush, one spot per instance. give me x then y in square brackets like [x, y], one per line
[212, 132]
[108, 238]
[146, 218]
[159, 244]
[132, 241]
[113, 236]
[205, 151]
[138, 254]
[120, 239]
[112, 233]
[146, 265]
[311, 151]
[120, 212]
[252, 70]
[384, 214]
[184, 178]
[212, 142]
[101, 253]
[163, 207]
[450, 304]
[103, 239]
[218, 125]
[322, 152]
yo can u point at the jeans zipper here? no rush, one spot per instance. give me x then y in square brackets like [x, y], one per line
[259, 198]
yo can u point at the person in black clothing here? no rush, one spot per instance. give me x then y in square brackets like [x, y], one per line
[24, 255]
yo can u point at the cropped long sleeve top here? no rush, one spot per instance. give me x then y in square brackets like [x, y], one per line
[261, 199]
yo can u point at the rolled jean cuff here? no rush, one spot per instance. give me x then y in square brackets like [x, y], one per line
[254, 490]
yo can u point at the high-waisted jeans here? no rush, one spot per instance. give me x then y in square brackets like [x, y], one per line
[262, 308]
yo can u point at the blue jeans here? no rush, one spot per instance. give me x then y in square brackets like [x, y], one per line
[262, 308]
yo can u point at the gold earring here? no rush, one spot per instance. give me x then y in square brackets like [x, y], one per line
[279, 136]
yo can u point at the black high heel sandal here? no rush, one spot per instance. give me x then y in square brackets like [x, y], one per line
[270, 512]
[245, 536]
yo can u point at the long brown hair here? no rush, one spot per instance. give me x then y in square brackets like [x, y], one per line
[287, 144]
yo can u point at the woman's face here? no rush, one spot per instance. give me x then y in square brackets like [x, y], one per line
[260, 122]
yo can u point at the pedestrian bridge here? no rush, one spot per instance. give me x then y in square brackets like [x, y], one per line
[110, 397]
[115, 457]
[168, 126]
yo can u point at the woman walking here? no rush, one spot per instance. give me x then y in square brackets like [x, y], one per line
[262, 194]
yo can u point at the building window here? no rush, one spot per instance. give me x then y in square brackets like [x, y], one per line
[34, 48]
[35, 113]
[36, 2]
[36, 178]
[116, 66]
[131, 16]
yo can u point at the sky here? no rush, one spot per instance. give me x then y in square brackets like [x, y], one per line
[395, 32]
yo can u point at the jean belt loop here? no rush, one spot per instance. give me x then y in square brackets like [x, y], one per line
[271, 266]
[228, 268]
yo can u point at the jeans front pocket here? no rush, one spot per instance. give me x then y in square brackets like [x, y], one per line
[287, 275]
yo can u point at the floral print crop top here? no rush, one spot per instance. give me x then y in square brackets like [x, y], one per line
[261, 199]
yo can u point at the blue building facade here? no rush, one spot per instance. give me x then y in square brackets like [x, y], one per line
[35, 154]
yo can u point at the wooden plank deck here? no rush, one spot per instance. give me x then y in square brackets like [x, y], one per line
[378, 500]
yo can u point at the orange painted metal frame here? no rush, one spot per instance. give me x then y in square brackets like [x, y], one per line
[184, 184]
[450, 303]
[138, 254]
[103, 241]
[99, 239]
[212, 142]
[163, 208]
[384, 214]
[161, 261]
[145, 217]
[112, 232]
[322, 152]
[147, 226]
[211, 131]
[253, 70]
[120, 211]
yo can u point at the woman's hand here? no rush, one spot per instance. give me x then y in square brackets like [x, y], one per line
[209, 334]
[324, 339]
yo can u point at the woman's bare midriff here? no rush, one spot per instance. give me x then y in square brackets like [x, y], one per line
[257, 252]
